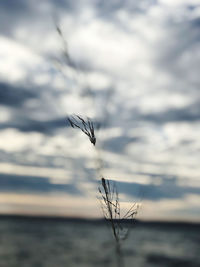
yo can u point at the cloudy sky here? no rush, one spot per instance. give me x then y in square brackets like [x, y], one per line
[131, 66]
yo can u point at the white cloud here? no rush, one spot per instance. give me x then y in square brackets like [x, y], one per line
[12, 140]
[16, 60]
[178, 3]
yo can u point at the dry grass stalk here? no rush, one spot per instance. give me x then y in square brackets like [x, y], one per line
[112, 212]
[111, 209]
[108, 194]
[86, 126]
[66, 55]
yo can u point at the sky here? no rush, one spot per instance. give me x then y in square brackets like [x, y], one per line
[130, 66]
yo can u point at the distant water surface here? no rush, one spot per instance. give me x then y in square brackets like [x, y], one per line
[28, 242]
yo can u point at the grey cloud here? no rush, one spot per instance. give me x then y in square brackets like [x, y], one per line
[108, 8]
[18, 13]
[14, 7]
[30, 125]
[22, 115]
[10, 183]
[189, 114]
[13, 96]
[178, 56]
[119, 144]
[12, 13]
[168, 189]
[26, 157]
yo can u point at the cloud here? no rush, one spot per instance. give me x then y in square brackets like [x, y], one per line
[107, 9]
[119, 144]
[21, 12]
[187, 114]
[23, 104]
[31, 184]
[18, 60]
[14, 97]
[167, 189]
[11, 12]
[30, 125]
[138, 51]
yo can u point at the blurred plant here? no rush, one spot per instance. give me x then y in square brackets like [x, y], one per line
[112, 212]
[109, 197]
[111, 209]
[77, 72]
[86, 126]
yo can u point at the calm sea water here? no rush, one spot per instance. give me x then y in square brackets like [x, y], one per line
[56, 243]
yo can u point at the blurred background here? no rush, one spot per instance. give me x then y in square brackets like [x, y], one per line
[133, 68]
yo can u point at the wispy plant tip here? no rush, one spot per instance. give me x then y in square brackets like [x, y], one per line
[86, 126]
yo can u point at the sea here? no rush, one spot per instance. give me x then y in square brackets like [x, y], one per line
[59, 242]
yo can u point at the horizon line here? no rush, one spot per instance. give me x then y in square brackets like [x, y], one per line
[97, 219]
